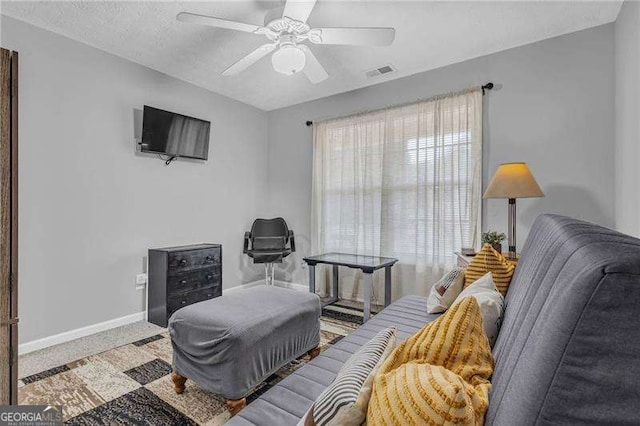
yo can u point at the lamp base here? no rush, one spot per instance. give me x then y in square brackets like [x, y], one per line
[512, 228]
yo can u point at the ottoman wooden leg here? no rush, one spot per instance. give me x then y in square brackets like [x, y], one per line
[235, 405]
[178, 382]
[314, 352]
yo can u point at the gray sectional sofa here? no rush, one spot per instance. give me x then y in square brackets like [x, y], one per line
[568, 351]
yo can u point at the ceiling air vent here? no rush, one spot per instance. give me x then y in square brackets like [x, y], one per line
[387, 69]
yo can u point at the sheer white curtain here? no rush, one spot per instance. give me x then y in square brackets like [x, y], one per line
[404, 182]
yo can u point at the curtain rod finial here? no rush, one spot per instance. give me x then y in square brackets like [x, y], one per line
[309, 123]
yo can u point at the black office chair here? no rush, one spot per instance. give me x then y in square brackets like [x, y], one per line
[267, 243]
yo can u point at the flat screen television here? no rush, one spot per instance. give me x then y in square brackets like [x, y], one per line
[175, 135]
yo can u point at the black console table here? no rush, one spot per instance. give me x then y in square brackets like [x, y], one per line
[181, 276]
[368, 265]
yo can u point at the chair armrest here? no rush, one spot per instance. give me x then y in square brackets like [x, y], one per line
[292, 241]
[247, 237]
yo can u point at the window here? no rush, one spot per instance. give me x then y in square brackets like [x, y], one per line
[404, 182]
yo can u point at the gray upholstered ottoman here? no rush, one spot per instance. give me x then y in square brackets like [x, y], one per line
[230, 344]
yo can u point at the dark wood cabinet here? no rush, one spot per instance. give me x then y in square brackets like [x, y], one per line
[181, 276]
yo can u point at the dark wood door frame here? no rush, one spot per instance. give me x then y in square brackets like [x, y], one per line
[9, 228]
[14, 226]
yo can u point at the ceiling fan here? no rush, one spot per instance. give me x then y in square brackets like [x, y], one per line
[288, 33]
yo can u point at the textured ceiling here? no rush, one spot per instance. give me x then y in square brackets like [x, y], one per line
[428, 35]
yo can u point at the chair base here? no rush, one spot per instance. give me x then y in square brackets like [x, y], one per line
[269, 273]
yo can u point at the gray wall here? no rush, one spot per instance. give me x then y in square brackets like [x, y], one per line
[90, 206]
[627, 47]
[553, 108]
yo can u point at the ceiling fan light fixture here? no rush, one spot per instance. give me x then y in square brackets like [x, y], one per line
[289, 59]
[288, 30]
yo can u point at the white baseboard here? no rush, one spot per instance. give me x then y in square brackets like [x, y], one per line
[67, 336]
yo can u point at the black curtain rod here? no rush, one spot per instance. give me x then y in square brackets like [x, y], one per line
[484, 88]
[487, 86]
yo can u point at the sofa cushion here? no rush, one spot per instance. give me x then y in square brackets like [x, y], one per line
[570, 337]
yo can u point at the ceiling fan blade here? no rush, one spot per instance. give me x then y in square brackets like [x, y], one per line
[314, 71]
[250, 59]
[353, 36]
[298, 9]
[211, 21]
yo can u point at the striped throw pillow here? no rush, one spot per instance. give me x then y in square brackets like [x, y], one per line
[440, 375]
[489, 260]
[346, 400]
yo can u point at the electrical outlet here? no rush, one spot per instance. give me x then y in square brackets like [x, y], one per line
[141, 280]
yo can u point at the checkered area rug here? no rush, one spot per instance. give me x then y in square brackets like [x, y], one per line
[131, 384]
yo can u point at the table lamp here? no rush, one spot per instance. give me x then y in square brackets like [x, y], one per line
[513, 180]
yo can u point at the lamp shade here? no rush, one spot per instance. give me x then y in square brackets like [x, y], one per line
[513, 180]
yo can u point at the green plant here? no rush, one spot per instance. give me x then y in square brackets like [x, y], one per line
[493, 237]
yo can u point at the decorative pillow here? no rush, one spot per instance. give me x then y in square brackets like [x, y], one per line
[346, 400]
[445, 366]
[489, 260]
[491, 304]
[445, 291]
[419, 394]
[456, 336]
